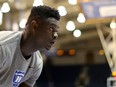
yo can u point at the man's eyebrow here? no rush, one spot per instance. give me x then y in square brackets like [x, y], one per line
[54, 25]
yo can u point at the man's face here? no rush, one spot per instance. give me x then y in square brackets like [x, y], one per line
[47, 33]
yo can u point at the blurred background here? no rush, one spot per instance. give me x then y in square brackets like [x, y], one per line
[78, 58]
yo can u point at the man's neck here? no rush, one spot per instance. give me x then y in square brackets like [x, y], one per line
[26, 47]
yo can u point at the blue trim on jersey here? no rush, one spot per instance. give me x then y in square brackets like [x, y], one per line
[17, 77]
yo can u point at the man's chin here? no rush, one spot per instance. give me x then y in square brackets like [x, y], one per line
[47, 48]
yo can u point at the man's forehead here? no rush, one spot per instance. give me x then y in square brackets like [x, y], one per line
[53, 21]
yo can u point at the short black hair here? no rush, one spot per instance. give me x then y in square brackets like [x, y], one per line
[43, 11]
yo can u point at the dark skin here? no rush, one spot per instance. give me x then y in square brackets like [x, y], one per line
[23, 85]
[39, 34]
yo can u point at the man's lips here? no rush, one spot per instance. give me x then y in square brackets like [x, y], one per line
[52, 42]
[50, 45]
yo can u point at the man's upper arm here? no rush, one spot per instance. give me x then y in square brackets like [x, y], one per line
[32, 80]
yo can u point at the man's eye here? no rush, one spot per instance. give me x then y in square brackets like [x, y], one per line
[51, 29]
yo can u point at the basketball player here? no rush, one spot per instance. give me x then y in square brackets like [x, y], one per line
[20, 60]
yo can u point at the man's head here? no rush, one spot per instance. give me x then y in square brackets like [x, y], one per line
[42, 26]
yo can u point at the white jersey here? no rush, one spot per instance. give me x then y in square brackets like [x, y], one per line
[14, 68]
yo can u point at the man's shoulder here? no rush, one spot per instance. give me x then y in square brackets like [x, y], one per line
[7, 37]
[38, 56]
[37, 59]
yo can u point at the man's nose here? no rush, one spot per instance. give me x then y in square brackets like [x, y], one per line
[55, 35]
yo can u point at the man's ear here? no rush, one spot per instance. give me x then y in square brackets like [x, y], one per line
[33, 25]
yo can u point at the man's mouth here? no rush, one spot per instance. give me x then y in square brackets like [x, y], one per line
[52, 42]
